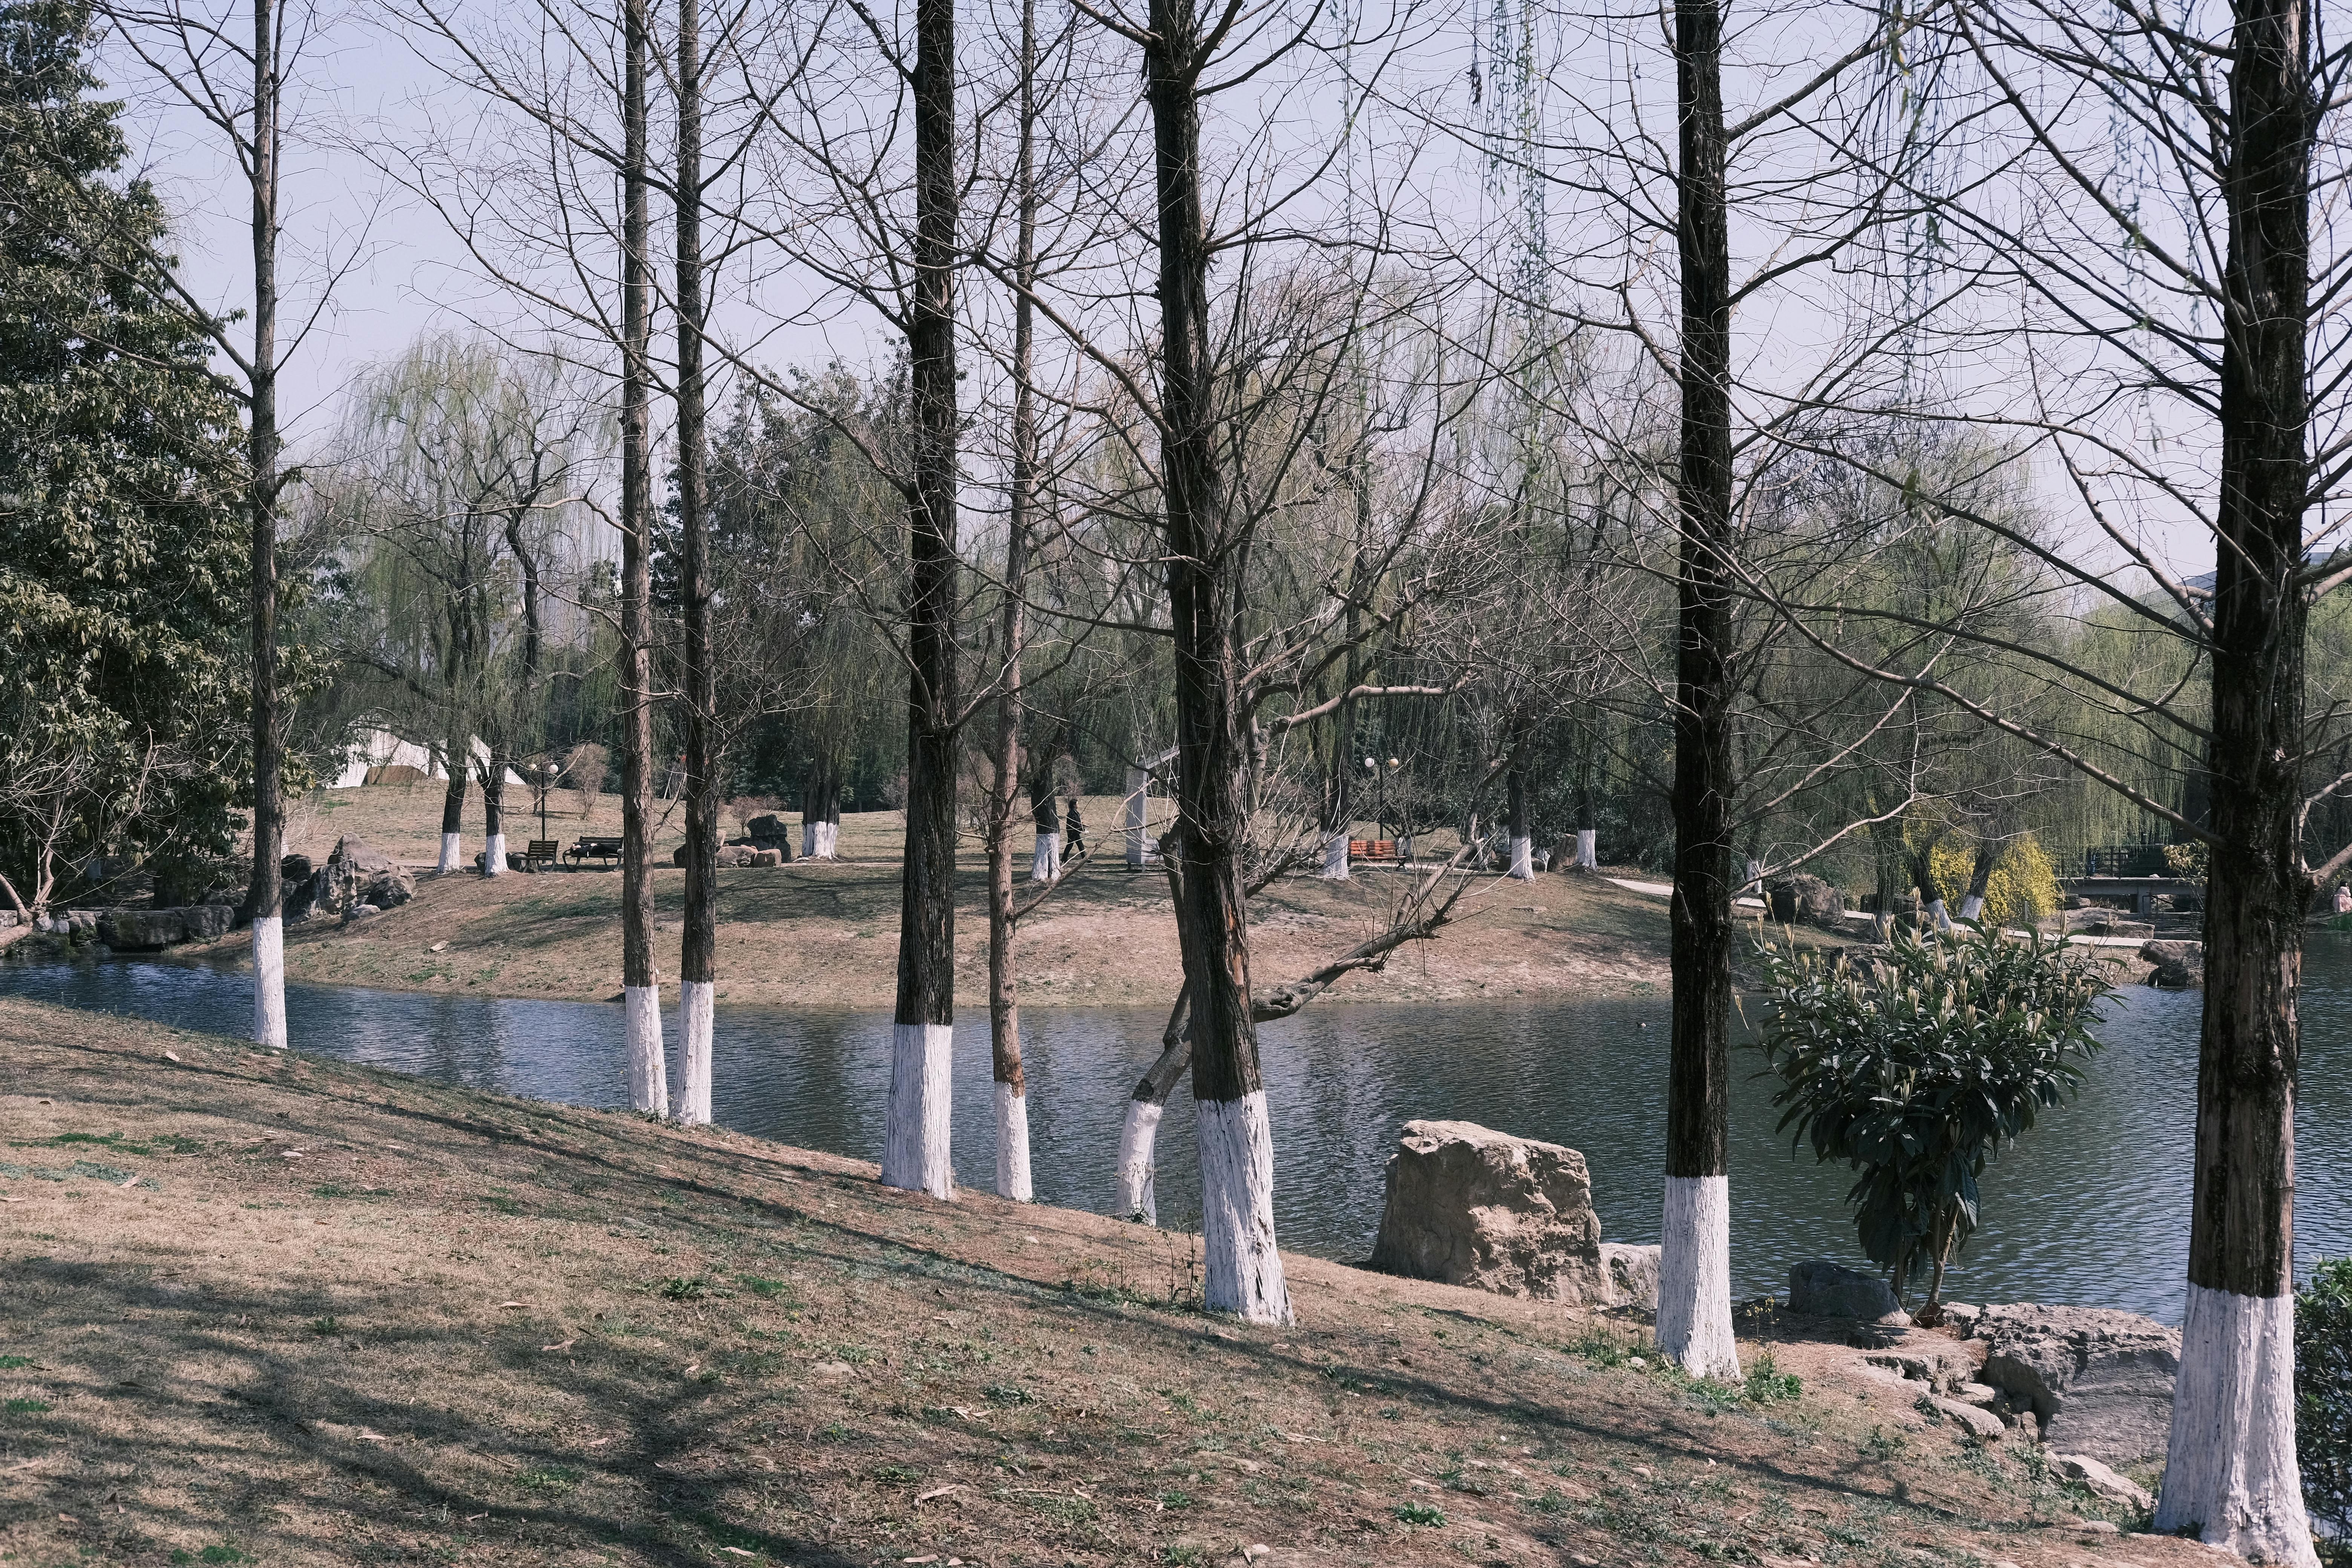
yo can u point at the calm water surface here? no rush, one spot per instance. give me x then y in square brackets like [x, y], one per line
[2092, 1208]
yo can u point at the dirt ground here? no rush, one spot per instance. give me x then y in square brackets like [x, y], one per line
[282, 1311]
[825, 935]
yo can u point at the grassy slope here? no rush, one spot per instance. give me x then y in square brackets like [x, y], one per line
[826, 935]
[293, 1311]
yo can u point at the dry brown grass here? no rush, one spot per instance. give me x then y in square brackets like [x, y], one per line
[286, 1311]
[825, 935]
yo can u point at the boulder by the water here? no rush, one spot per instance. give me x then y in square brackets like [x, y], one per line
[1802, 900]
[2180, 965]
[1469, 1206]
[2100, 1382]
[1821, 1289]
[141, 930]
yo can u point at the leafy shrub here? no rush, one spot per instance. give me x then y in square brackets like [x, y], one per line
[2323, 1394]
[1419, 1513]
[1916, 1066]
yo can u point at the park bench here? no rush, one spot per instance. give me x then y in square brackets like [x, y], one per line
[607, 850]
[1371, 850]
[540, 852]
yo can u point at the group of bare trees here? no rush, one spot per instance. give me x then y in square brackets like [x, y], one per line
[1799, 427]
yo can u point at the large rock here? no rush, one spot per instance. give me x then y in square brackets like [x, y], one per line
[358, 873]
[2099, 1382]
[1802, 900]
[205, 921]
[141, 930]
[1469, 1206]
[1820, 1288]
[2180, 965]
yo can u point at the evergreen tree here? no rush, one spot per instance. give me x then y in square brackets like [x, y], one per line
[122, 548]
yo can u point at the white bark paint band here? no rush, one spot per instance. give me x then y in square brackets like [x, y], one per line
[828, 840]
[694, 1052]
[1242, 1268]
[1011, 1145]
[1938, 916]
[808, 839]
[915, 1127]
[1588, 856]
[1695, 1277]
[494, 855]
[1523, 859]
[453, 853]
[649, 1072]
[1045, 861]
[1137, 1141]
[269, 981]
[1971, 907]
[2230, 1471]
[1334, 856]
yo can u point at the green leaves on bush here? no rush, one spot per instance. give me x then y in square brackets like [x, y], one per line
[2323, 1393]
[1917, 1064]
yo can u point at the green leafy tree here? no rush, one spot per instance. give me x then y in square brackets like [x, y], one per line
[121, 551]
[1916, 1066]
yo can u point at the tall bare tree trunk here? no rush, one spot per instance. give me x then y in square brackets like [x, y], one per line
[1242, 1268]
[915, 1152]
[1522, 823]
[268, 893]
[1003, 980]
[697, 948]
[1694, 1262]
[2231, 1472]
[640, 985]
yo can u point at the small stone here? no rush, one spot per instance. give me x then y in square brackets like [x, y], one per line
[830, 1369]
[1638, 1364]
[1821, 1289]
[1256, 1550]
[2099, 1527]
[1982, 1393]
[1983, 1424]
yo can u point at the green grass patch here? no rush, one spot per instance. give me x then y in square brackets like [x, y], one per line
[1419, 1513]
[551, 1479]
[27, 1406]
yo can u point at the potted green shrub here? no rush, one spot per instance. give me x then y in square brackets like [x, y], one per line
[1915, 1064]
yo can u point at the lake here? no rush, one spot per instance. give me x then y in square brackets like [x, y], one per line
[2090, 1209]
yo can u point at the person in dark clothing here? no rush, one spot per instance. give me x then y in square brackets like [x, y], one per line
[1074, 833]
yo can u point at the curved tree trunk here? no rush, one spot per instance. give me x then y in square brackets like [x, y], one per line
[640, 984]
[1695, 1258]
[494, 813]
[1133, 1191]
[452, 806]
[915, 1152]
[2231, 1471]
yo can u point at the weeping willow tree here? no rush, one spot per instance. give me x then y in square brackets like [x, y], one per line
[462, 507]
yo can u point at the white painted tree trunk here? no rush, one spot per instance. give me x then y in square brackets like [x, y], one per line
[828, 840]
[1242, 1268]
[694, 1052]
[1045, 861]
[809, 839]
[494, 855]
[269, 982]
[1139, 804]
[1695, 1277]
[1971, 907]
[2230, 1471]
[1938, 916]
[1138, 1139]
[1405, 847]
[1334, 856]
[1523, 859]
[915, 1128]
[1753, 887]
[1588, 854]
[1013, 1145]
[648, 1070]
[453, 854]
